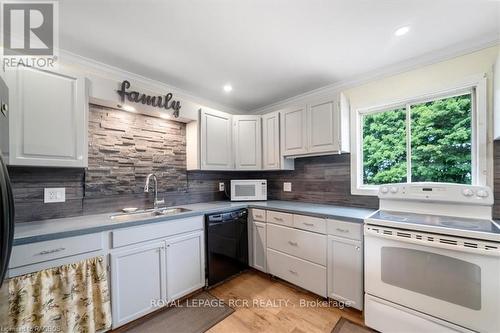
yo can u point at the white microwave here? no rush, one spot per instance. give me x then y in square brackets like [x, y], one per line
[248, 189]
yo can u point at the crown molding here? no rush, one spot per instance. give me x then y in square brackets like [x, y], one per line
[116, 73]
[430, 58]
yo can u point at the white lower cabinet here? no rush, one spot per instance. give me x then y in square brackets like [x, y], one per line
[345, 271]
[137, 279]
[259, 246]
[145, 276]
[302, 273]
[185, 258]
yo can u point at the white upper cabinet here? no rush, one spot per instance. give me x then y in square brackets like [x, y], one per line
[47, 118]
[271, 141]
[247, 142]
[216, 140]
[294, 131]
[318, 128]
[321, 118]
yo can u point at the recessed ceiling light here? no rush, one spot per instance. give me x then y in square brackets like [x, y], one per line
[402, 31]
[227, 87]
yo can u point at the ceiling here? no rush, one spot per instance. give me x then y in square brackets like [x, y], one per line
[268, 50]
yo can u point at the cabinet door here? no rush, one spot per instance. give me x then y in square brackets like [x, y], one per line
[294, 131]
[323, 127]
[247, 142]
[345, 271]
[271, 141]
[137, 279]
[259, 246]
[216, 147]
[185, 264]
[48, 118]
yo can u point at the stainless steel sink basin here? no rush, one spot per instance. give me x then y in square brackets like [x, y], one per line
[145, 214]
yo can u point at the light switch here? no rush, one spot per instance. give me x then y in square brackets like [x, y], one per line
[52, 195]
[287, 187]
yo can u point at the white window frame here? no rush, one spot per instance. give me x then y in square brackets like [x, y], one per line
[476, 84]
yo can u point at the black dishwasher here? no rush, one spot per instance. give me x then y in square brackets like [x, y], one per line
[226, 238]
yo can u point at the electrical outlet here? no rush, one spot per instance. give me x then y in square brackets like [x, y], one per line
[222, 186]
[287, 187]
[54, 195]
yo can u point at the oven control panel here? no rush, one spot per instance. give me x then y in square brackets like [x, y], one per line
[481, 195]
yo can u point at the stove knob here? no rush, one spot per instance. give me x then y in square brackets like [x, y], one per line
[482, 194]
[384, 190]
[468, 192]
[394, 189]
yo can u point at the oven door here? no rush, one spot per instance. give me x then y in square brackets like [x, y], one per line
[454, 279]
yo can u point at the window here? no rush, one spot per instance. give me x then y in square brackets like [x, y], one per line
[436, 138]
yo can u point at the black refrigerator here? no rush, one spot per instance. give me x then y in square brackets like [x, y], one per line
[6, 197]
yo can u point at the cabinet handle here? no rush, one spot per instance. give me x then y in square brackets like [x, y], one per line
[293, 272]
[309, 224]
[258, 216]
[342, 230]
[278, 218]
[358, 248]
[293, 243]
[51, 251]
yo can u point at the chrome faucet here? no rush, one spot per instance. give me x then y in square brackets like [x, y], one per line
[146, 189]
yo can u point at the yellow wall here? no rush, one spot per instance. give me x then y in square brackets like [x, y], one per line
[424, 80]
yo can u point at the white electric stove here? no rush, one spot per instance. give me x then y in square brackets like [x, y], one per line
[432, 260]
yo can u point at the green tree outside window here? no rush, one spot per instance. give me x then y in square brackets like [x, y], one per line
[441, 149]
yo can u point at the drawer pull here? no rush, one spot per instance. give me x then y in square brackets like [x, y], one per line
[258, 216]
[293, 243]
[42, 253]
[342, 230]
[278, 218]
[293, 272]
[309, 224]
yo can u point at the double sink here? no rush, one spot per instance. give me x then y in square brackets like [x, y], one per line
[145, 214]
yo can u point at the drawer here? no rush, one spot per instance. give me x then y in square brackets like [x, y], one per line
[259, 215]
[146, 232]
[315, 224]
[279, 218]
[345, 229]
[302, 273]
[33, 253]
[303, 244]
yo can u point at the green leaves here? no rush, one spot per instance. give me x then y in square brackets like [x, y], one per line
[441, 140]
[384, 147]
[441, 135]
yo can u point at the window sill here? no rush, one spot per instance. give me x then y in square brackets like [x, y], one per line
[365, 190]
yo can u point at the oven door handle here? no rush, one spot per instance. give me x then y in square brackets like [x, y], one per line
[432, 240]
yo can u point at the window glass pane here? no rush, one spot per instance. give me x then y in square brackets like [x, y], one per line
[441, 140]
[384, 147]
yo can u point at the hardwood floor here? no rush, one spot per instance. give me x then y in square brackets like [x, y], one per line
[263, 304]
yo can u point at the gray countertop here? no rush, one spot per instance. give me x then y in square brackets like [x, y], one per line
[66, 227]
